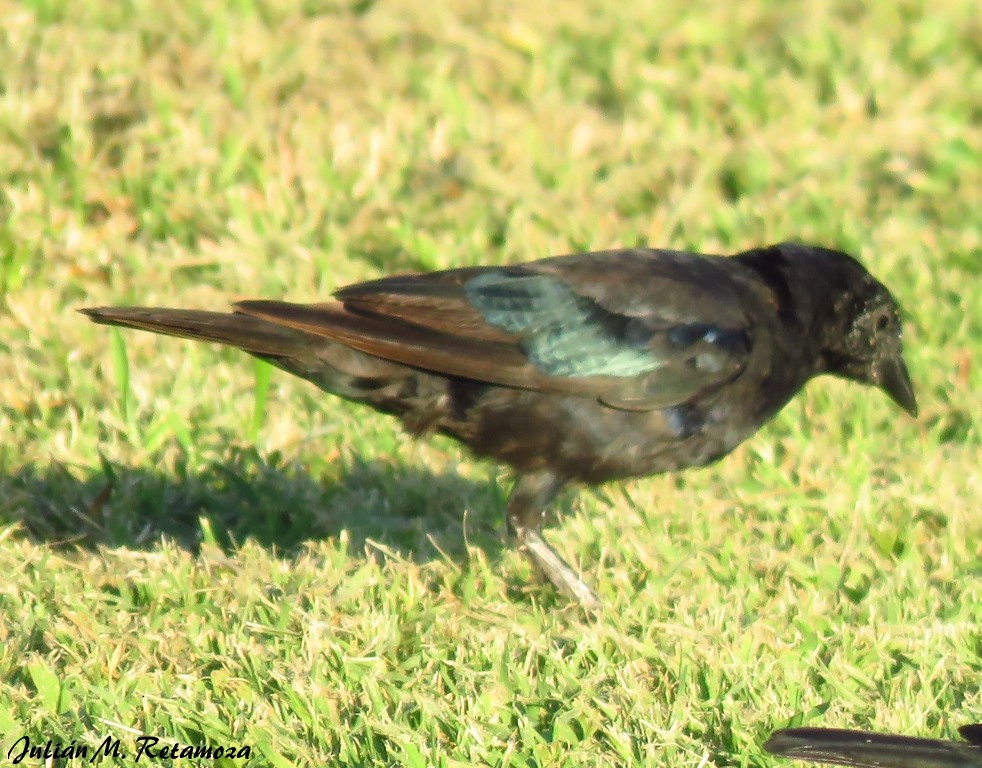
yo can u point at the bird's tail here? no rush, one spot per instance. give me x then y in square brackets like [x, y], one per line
[251, 334]
[315, 356]
[875, 750]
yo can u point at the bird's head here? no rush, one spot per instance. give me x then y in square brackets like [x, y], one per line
[869, 350]
[850, 320]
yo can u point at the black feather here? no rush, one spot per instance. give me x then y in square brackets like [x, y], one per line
[862, 749]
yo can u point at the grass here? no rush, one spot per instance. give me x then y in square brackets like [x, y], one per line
[199, 551]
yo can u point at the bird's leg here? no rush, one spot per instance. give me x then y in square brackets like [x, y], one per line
[526, 514]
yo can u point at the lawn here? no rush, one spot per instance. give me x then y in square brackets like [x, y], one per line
[206, 551]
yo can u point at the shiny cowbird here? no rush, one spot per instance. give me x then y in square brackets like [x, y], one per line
[582, 368]
[878, 750]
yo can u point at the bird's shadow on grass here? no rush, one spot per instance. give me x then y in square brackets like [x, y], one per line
[246, 496]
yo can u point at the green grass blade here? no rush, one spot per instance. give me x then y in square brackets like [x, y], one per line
[121, 366]
[262, 371]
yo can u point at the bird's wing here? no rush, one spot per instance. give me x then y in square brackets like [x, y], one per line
[634, 329]
[876, 750]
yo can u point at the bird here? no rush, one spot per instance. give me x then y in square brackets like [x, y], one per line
[863, 749]
[579, 369]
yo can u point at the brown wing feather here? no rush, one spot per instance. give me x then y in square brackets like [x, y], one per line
[436, 301]
[496, 362]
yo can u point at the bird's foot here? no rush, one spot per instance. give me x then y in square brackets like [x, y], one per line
[555, 569]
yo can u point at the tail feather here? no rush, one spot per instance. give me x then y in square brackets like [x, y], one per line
[313, 355]
[254, 335]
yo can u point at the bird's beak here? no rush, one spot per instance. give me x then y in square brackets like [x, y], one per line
[891, 376]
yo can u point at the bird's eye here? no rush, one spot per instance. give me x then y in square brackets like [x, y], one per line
[881, 323]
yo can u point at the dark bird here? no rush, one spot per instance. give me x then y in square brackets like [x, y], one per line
[583, 368]
[878, 750]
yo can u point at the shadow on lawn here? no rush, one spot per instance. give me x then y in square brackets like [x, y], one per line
[246, 496]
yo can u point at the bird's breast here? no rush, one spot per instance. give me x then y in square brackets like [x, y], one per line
[584, 440]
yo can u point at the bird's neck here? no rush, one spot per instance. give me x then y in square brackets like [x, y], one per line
[804, 300]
